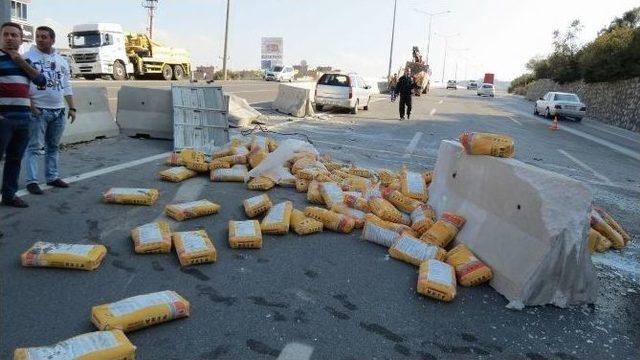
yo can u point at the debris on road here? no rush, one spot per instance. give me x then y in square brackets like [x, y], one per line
[488, 144]
[194, 247]
[112, 344]
[437, 280]
[245, 234]
[131, 196]
[192, 209]
[277, 220]
[257, 205]
[444, 230]
[177, 174]
[413, 251]
[68, 256]
[304, 225]
[470, 271]
[152, 238]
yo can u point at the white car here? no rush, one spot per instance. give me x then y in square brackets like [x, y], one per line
[348, 91]
[279, 73]
[486, 90]
[560, 104]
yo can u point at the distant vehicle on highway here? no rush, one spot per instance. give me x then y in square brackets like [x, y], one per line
[560, 104]
[452, 84]
[472, 85]
[279, 73]
[486, 90]
[348, 91]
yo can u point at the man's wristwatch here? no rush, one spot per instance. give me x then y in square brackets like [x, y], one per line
[73, 109]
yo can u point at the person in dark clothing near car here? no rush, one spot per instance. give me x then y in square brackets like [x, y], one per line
[405, 89]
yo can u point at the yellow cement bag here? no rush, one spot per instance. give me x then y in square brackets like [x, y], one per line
[313, 193]
[444, 230]
[256, 156]
[333, 165]
[233, 159]
[262, 183]
[303, 225]
[257, 205]
[356, 183]
[436, 280]
[313, 173]
[422, 218]
[341, 174]
[386, 211]
[197, 166]
[237, 173]
[140, 311]
[592, 240]
[192, 209]
[68, 256]
[357, 215]
[278, 219]
[97, 345]
[498, 145]
[326, 177]
[226, 150]
[412, 185]
[302, 161]
[376, 231]
[399, 200]
[194, 247]
[387, 177]
[428, 177]
[131, 196]
[152, 238]
[617, 241]
[398, 228]
[215, 164]
[245, 234]
[356, 202]
[174, 159]
[613, 223]
[190, 155]
[413, 251]
[331, 194]
[302, 185]
[287, 179]
[300, 155]
[177, 174]
[362, 172]
[602, 244]
[470, 271]
[272, 144]
[331, 220]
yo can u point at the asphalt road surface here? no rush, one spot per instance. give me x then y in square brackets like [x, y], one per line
[324, 296]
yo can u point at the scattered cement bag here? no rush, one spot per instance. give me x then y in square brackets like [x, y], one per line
[313, 193]
[131, 196]
[333, 165]
[256, 156]
[261, 183]
[413, 251]
[277, 220]
[237, 173]
[356, 202]
[362, 172]
[357, 215]
[68, 256]
[617, 241]
[286, 178]
[356, 183]
[593, 239]
[398, 228]
[257, 205]
[304, 225]
[314, 173]
[387, 177]
[428, 177]
[436, 280]
[331, 194]
[272, 144]
[305, 160]
[197, 166]
[386, 211]
[331, 220]
[422, 218]
[152, 238]
[273, 165]
[613, 223]
[412, 185]
[140, 311]
[177, 174]
[399, 200]
[97, 345]
[302, 185]
[215, 164]
[233, 159]
[174, 159]
[194, 247]
[444, 230]
[190, 155]
[476, 143]
[376, 231]
[227, 149]
[470, 271]
[245, 234]
[192, 209]
[602, 244]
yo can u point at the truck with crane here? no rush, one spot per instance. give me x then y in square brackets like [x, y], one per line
[420, 72]
[104, 50]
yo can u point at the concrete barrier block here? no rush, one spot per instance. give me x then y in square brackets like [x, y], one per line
[295, 99]
[145, 112]
[529, 225]
[241, 114]
[94, 119]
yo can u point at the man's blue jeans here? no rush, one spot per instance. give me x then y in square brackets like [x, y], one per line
[46, 131]
[14, 137]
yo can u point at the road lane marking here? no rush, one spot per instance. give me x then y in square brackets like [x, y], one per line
[412, 145]
[586, 167]
[440, 102]
[611, 132]
[432, 112]
[514, 120]
[295, 351]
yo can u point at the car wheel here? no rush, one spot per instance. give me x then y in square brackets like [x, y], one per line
[354, 110]
[366, 107]
[319, 107]
[547, 114]
[535, 110]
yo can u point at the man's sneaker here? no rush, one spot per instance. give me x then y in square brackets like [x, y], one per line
[34, 188]
[58, 183]
[408, 116]
[401, 118]
[15, 202]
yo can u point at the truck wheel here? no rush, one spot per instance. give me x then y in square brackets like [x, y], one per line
[318, 107]
[178, 72]
[119, 72]
[354, 110]
[366, 107]
[167, 73]
[89, 77]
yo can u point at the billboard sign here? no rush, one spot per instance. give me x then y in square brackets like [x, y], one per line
[271, 53]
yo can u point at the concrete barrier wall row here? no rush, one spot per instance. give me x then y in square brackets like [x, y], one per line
[145, 111]
[529, 225]
[94, 119]
[295, 100]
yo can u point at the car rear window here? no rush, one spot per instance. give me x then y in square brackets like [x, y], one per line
[487, 86]
[567, 97]
[334, 80]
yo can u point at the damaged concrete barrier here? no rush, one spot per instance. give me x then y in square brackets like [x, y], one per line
[295, 99]
[241, 114]
[145, 112]
[378, 85]
[529, 225]
[94, 119]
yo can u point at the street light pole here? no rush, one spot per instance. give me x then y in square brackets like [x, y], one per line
[446, 45]
[430, 15]
[393, 32]
[226, 38]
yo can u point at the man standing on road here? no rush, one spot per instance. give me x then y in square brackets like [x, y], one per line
[404, 89]
[15, 75]
[47, 106]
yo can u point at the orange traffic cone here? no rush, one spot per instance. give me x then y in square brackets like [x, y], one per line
[554, 125]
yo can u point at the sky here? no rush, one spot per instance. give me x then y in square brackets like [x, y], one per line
[497, 36]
